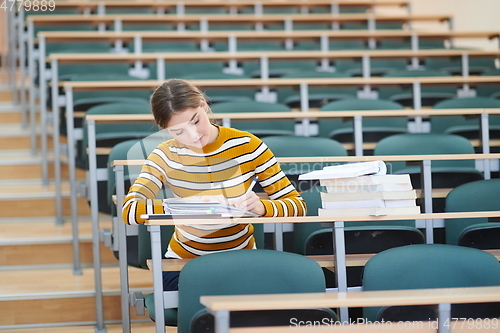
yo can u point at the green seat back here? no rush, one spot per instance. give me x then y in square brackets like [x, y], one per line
[481, 195]
[330, 127]
[251, 272]
[223, 94]
[108, 133]
[167, 46]
[483, 236]
[318, 96]
[302, 231]
[303, 146]
[426, 144]
[489, 90]
[454, 65]
[428, 266]
[259, 128]
[430, 94]
[459, 124]
[107, 94]
[134, 149]
[66, 71]
[280, 68]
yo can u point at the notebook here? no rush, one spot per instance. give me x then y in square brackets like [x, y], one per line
[197, 208]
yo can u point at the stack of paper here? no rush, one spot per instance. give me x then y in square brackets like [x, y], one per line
[197, 208]
[364, 189]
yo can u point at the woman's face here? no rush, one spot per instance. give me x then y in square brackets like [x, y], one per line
[192, 127]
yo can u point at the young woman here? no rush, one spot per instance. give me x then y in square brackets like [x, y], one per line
[204, 160]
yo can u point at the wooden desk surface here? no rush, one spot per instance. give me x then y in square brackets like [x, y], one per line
[217, 19]
[163, 3]
[280, 82]
[333, 159]
[271, 55]
[41, 20]
[259, 35]
[351, 299]
[124, 118]
[323, 219]
[326, 261]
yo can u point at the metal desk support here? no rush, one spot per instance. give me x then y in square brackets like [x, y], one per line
[485, 142]
[340, 263]
[122, 250]
[94, 212]
[55, 139]
[426, 172]
[77, 270]
[156, 257]
[42, 88]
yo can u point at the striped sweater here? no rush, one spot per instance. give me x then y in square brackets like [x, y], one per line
[225, 166]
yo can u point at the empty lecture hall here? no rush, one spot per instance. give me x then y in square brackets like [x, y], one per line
[189, 166]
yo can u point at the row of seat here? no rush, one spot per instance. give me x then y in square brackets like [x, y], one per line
[340, 130]
[359, 239]
[108, 196]
[108, 7]
[420, 266]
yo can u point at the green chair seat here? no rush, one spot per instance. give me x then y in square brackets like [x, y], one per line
[483, 236]
[467, 126]
[481, 195]
[425, 266]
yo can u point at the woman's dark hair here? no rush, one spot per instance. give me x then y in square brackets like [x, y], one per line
[174, 95]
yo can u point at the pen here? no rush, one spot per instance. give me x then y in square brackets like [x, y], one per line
[254, 181]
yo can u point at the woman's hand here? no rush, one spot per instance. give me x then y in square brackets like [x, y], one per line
[249, 201]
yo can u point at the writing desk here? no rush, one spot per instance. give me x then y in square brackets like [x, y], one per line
[93, 150]
[163, 5]
[427, 190]
[339, 263]
[207, 19]
[220, 306]
[263, 58]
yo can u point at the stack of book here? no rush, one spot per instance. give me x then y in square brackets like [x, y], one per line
[364, 189]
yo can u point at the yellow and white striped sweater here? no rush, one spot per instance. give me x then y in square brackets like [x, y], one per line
[225, 166]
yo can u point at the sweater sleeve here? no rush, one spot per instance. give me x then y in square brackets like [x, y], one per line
[284, 199]
[141, 196]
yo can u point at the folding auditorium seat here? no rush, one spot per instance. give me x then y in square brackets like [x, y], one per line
[430, 95]
[318, 96]
[215, 95]
[259, 127]
[374, 129]
[467, 126]
[445, 174]
[252, 272]
[302, 146]
[430, 266]
[489, 90]
[481, 195]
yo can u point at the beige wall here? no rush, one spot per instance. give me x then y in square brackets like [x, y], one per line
[469, 15]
